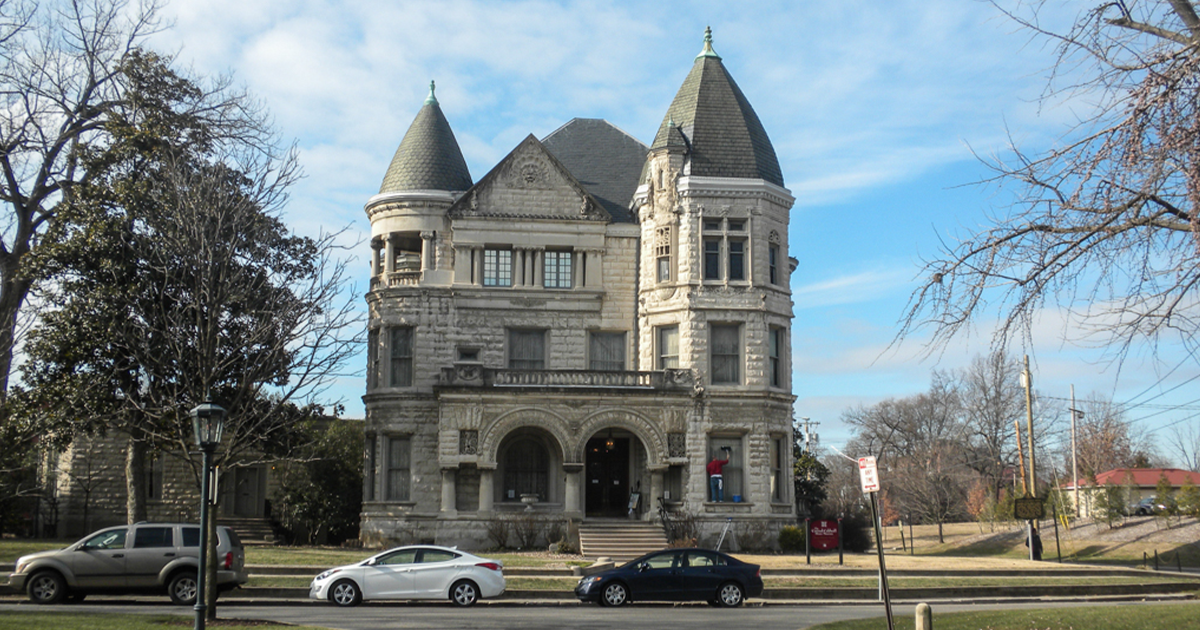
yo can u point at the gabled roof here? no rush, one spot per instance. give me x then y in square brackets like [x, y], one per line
[604, 159]
[428, 157]
[529, 183]
[723, 134]
[1142, 477]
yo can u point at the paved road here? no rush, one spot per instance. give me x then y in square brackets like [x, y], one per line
[383, 616]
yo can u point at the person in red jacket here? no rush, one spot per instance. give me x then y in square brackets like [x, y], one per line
[716, 486]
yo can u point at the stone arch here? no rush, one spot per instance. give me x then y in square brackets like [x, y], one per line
[646, 430]
[494, 433]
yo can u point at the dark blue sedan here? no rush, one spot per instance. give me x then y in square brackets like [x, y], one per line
[675, 575]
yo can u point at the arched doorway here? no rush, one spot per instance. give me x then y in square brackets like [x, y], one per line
[608, 471]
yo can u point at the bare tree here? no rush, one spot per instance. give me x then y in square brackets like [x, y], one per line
[1105, 224]
[1187, 445]
[1104, 440]
[992, 402]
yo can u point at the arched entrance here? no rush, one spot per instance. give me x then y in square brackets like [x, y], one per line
[526, 463]
[608, 472]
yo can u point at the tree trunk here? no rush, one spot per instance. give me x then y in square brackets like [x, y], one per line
[13, 290]
[135, 478]
[210, 585]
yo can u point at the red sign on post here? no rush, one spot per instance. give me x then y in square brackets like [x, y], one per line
[868, 474]
[823, 535]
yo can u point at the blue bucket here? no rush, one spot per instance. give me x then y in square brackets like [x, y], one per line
[737, 498]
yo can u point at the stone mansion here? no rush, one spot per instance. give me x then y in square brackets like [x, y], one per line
[583, 328]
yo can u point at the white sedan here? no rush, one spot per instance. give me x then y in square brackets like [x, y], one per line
[415, 572]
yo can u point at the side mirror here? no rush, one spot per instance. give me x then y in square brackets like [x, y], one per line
[372, 562]
[644, 566]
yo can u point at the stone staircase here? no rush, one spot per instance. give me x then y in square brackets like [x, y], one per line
[252, 531]
[619, 539]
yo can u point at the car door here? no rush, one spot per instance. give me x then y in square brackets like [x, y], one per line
[153, 547]
[434, 571]
[99, 562]
[657, 577]
[390, 576]
[702, 575]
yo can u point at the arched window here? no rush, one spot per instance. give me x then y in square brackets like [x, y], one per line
[527, 469]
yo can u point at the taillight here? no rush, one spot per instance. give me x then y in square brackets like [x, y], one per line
[228, 564]
[489, 565]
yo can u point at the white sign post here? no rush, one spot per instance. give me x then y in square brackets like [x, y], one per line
[868, 474]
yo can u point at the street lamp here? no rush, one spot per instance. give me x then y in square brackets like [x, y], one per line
[208, 422]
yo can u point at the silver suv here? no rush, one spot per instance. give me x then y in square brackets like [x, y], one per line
[140, 558]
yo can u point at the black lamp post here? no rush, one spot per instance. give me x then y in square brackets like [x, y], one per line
[208, 422]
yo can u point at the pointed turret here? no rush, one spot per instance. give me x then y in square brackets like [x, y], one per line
[428, 157]
[723, 135]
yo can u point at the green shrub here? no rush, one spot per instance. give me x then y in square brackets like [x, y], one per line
[791, 539]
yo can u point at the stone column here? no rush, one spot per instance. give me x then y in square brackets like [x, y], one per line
[538, 269]
[428, 253]
[376, 245]
[389, 253]
[449, 476]
[486, 491]
[478, 255]
[571, 502]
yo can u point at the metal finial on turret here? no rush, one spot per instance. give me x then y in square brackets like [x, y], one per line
[431, 99]
[708, 49]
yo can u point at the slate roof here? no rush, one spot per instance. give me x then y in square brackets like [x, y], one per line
[428, 157]
[723, 134]
[605, 160]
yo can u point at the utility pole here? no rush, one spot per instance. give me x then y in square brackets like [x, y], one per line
[1074, 465]
[1027, 381]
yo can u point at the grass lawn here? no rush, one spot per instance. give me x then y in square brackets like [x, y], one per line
[1131, 617]
[74, 621]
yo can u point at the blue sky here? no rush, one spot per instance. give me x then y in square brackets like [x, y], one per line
[873, 107]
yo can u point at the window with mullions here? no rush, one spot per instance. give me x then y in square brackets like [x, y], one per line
[606, 352]
[668, 347]
[402, 356]
[527, 349]
[662, 253]
[557, 270]
[778, 457]
[724, 249]
[497, 268]
[773, 264]
[775, 354]
[398, 468]
[726, 353]
[527, 469]
[732, 474]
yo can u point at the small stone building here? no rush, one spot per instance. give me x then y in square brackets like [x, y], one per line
[579, 332]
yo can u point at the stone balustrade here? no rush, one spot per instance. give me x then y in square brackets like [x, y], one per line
[474, 375]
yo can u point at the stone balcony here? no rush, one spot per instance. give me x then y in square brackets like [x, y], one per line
[475, 375]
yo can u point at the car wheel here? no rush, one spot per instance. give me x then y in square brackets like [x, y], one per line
[615, 594]
[730, 595]
[183, 588]
[47, 587]
[464, 593]
[345, 593]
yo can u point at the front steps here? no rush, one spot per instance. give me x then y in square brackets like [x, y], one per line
[252, 531]
[619, 540]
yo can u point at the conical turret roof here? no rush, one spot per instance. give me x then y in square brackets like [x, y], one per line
[723, 135]
[428, 157]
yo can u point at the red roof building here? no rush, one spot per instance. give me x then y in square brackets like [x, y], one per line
[1141, 482]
